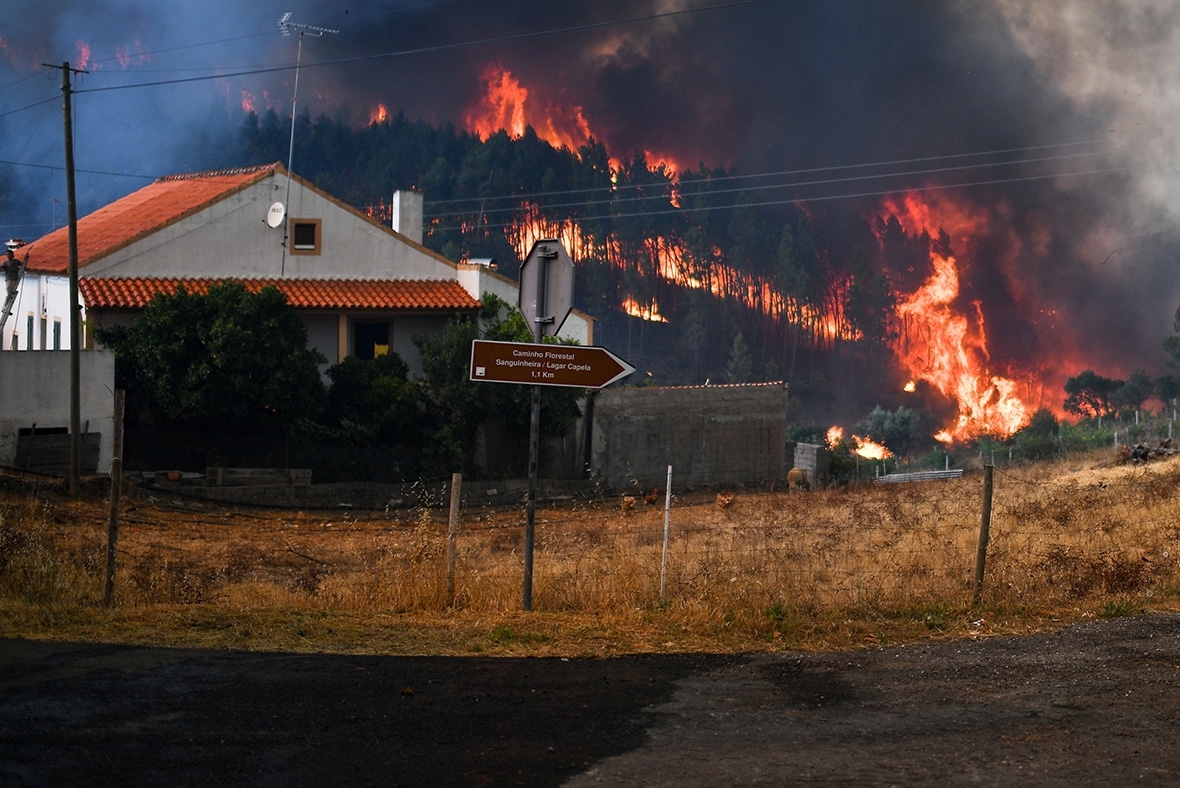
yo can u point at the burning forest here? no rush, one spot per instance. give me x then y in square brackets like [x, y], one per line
[951, 208]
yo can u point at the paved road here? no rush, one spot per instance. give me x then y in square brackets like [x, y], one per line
[1093, 705]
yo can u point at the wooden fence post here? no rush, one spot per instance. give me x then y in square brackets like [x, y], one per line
[116, 494]
[667, 525]
[453, 536]
[985, 522]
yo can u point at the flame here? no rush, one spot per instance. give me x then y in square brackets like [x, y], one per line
[506, 106]
[666, 259]
[127, 59]
[870, 450]
[635, 309]
[944, 342]
[910, 387]
[378, 115]
[83, 54]
[502, 107]
[249, 103]
[834, 436]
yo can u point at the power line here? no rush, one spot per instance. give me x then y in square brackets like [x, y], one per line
[747, 189]
[824, 198]
[805, 171]
[430, 49]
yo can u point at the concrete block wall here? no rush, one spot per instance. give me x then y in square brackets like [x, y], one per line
[35, 389]
[811, 458]
[710, 435]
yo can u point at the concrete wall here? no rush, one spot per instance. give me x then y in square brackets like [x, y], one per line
[35, 389]
[811, 458]
[711, 435]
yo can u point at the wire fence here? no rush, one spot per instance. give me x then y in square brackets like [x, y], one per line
[880, 546]
[1079, 536]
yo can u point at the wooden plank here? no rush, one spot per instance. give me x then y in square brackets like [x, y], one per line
[257, 477]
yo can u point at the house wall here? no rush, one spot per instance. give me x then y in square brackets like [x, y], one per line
[35, 389]
[46, 297]
[709, 435]
[231, 238]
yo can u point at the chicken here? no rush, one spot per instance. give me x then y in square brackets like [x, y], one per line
[651, 498]
[724, 498]
[628, 502]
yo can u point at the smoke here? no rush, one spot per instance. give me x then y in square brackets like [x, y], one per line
[1074, 267]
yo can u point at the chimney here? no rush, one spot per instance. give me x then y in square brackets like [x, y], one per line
[407, 214]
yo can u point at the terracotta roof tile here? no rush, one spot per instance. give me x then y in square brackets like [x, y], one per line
[159, 204]
[385, 294]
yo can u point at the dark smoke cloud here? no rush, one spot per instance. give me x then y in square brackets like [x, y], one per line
[761, 87]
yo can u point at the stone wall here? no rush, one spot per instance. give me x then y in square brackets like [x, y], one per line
[710, 435]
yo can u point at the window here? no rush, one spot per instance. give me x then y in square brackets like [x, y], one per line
[305, 236]
[29, 334]
[369, 338]
[57, 333]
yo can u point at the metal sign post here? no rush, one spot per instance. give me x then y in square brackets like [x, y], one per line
[545, 300]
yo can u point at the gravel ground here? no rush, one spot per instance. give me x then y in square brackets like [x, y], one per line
[1096, 704]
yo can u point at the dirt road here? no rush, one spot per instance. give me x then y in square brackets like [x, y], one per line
[1094, 705]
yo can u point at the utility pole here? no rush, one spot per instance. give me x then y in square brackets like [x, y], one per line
[75, 307]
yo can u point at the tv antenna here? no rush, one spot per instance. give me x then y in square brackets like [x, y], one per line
[285, 28]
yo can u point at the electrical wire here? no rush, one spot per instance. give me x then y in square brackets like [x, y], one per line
[430, 49]
[823, 198]
[747, 189]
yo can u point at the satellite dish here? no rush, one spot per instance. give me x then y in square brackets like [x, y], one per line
[274, 217]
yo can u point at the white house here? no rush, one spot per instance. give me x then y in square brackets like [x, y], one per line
[360, 286]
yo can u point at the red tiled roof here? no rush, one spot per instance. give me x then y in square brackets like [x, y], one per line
[157, 205]
[396, 294]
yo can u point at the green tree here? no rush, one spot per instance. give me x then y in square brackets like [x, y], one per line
[228, 360]
[373, 401]
[1039, 439]
[740, 366]
[902, 431]
[1135, 391]
[1090, 395]
[457, 407]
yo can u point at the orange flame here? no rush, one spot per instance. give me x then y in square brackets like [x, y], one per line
[378, 115]
[635, 309]
[834, 436]
[946, 347]
[249, 103]
[870, 450]
[508, 106]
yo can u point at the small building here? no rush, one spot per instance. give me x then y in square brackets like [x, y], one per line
[361, 287]
[710, 435]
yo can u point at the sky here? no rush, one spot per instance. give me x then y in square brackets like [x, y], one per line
[1073, 105]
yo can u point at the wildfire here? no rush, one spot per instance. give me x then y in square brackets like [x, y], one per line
[635, 309]
[945, 343]
[249, 103]
[869, 449]
[862, 447]
[127, 59]
[378, 115]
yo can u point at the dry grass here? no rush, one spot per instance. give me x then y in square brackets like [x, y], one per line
[769, 570]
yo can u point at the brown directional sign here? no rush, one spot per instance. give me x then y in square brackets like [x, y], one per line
[546, 365]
